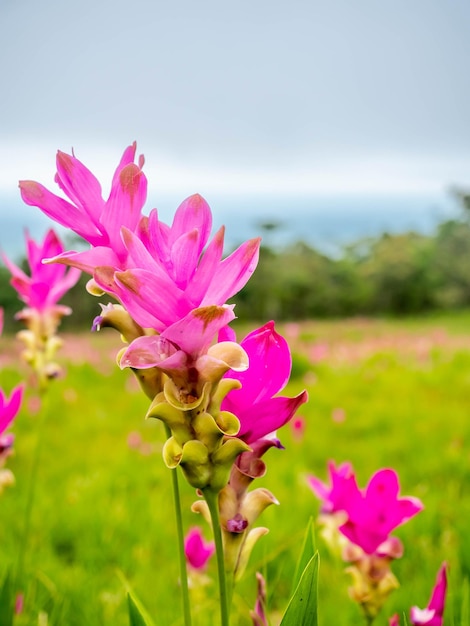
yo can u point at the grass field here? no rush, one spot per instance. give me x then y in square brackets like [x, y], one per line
[382, 394]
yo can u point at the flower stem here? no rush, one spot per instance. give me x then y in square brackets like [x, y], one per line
[180, 539]
[212, 500]
[31, 488]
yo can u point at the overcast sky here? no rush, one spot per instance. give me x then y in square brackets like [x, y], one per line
[300, 97]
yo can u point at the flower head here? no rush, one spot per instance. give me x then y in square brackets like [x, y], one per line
[374, 513]
[46, 284]
[432, 615]
[159, 273]
[197, 551]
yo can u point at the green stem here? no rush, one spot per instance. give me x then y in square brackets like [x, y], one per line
[212, 500]
[180, 538]
[28, 514]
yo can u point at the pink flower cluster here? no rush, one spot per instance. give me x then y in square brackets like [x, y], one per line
[371, 514]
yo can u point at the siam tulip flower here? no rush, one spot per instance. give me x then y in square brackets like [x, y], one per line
[376, 512]
[159, 273]
[259, 414]
[197, 551]
[359, 523]
[433, 614]
[41, 292]
[46, 285]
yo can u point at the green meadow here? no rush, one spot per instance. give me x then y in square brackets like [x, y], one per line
[382, 393]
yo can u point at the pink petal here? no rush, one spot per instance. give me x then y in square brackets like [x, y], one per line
[124, 205]
[80, 185]
[194, 333]
[88, 260]
[267, 416]
[184, 257]
[60, 210]
[193, 213]
[206, 269]
[233, 273]
[269, 368]
[156, 294]
[10, 407]
[147, 351]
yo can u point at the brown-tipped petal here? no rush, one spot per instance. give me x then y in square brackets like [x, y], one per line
[255, 502]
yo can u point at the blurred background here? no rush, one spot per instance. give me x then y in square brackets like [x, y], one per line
[343, 126]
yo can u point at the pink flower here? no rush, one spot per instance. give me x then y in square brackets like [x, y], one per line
[158, 272]
[256, 405]
[341, 493]
[432, 615]
[98, 221]
[47, 283]
[9, 408]
[376, 512]
[197, 551]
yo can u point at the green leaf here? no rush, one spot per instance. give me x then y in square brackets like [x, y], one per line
[302, 607]
[135, 616]
[7, 603]
[465, 612]
[308, 550]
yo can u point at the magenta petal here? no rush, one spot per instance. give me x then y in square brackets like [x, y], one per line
[269, 366]
[128, 156]
[10, 407]
[367, 539]
[88, 260]
[184, 257]
[233, 273]
[195, 332]
[156, 294]
[193, 213]
[59, 210]
[67, 282]
[125, 203]
[206, 269]
[319, 488]
[266, 417]
[438, 595]
[80, 185]
[147, 351]
[197, 551]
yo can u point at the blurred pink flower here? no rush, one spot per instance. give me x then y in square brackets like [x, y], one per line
[197, 551]
[338, 415]
[47, 283]
[432, 615]
[9, 408]
[256, 405]
[374, 513]
[298, 425]
[343, 489]
[258, 615]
